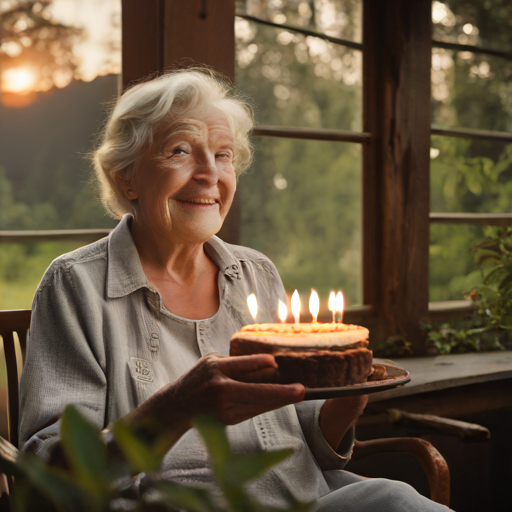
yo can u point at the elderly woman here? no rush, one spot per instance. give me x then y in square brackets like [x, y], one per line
[138, 325]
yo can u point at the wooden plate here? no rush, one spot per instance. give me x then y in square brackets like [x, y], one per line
[396, 377]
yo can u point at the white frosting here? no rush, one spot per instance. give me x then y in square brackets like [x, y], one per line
[327, 340]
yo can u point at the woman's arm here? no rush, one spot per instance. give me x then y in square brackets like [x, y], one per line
[338, 415]
[61, 365]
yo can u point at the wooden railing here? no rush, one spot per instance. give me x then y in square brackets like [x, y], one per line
[57, 235]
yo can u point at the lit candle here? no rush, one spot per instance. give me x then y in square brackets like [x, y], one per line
[253, 305]
[332, 306]
[283, 312]
[314, 305]
[296, 306]
[339, 305]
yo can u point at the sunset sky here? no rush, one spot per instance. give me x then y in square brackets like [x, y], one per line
[99, 53]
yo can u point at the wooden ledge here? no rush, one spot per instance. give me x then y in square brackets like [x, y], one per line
[450, 371]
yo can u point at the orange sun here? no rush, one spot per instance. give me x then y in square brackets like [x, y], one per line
[19, 80]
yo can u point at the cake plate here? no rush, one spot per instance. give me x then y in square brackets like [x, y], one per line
[396, 377]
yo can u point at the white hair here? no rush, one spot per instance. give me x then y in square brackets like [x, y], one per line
[145, 109]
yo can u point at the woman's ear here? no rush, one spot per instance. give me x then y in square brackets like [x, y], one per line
[127, 187]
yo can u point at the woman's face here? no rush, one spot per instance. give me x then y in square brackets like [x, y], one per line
[186, 182]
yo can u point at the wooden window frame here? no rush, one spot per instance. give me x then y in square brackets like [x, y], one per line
[396, 139]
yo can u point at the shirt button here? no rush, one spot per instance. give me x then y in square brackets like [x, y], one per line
[154, 336]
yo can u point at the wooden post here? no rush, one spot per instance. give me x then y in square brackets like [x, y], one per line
[201, 30]
[396, 71]
[142, 49]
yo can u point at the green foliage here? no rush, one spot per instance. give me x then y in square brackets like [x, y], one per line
[466, 176]
[99, 479]
[393, 346]
[489, 327]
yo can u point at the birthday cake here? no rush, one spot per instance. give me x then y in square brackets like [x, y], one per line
[316, 355]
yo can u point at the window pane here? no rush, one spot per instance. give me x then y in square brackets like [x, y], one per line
[60, 64]
[336, 18]
[21, 268]
[452, 266]
[301, 206]
[471, 90]
[470, 176]
[298, 81]
[485, 24]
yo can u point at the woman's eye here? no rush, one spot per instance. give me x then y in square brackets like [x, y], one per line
[178, 151]
[223, 155]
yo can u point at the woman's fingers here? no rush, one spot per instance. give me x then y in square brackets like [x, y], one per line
[239, 401]
[253, 368]
[267, 396]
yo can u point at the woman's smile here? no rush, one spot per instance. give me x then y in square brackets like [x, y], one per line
[198, 202]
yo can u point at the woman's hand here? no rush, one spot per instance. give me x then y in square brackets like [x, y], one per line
[232, 389]
[337, 416]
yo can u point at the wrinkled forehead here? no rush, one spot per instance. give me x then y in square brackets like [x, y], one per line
[204, 123]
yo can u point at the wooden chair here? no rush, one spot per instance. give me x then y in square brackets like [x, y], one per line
[15, 321]
[18, 321]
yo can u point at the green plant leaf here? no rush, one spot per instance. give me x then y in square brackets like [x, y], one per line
[58, 486]
[493, 274]
[85, 450]
[241, 469]
[213, 433]
[138, 455]
[188, 498]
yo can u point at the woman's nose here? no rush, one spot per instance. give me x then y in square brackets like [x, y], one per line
[207, 171]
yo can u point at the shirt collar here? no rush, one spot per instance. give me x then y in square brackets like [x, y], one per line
[125, 273]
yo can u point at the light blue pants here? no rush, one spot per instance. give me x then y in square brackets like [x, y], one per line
[377, 495]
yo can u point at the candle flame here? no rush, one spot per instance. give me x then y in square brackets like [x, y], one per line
[340, 304]
[314, 305]
[296, 306]
[253, 305]
[332, 305]
[283, 311]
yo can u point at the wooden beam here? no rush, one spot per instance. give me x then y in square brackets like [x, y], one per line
[472, 134]
[396, 91]
[477, 219]
[292, 132]
[304, 31]
[203, 31]
[469, 48]
[57, 235]
[142, 28]
[444, 306]
[450, 310]
[14, 320]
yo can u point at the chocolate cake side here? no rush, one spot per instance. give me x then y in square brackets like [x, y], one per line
[315, 367]
[322, 369]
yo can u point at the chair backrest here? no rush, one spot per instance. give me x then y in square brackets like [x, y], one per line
[14, 321]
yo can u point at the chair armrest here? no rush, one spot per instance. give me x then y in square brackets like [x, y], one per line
[462, 429]
[431, 460]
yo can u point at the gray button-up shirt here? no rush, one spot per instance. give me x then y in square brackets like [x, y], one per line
[102, 339]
